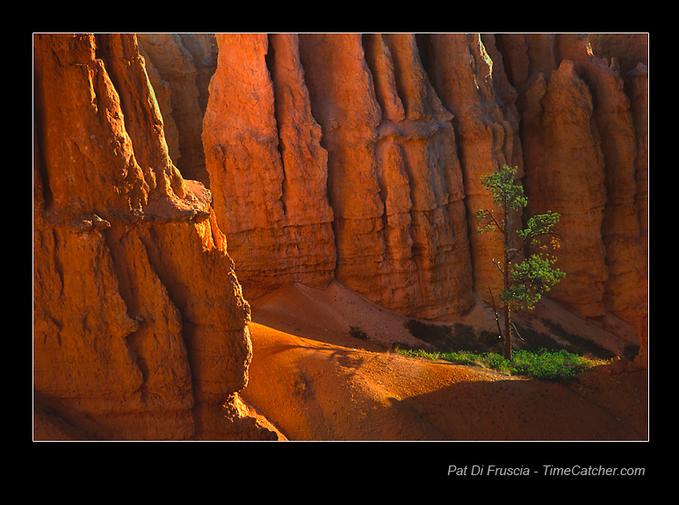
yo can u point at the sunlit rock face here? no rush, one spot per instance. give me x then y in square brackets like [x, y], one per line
[268, 170]
[180, 68]
[317, 158]
[470, 84]
[607, 145]
[395, 182]
[140, 323]
[359, 157]
[422, 119]
[317, 176]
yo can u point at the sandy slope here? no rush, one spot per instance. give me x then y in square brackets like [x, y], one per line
[311, 380]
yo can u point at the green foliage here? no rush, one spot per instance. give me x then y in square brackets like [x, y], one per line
[486, 221]
[549, 365]
[539, 225]
[537, 274]
[502, 184]
[531, 278]
[542, 364]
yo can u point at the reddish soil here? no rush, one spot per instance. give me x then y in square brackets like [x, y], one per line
[326, 385]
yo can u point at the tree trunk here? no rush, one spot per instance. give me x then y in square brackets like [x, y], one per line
[508, 316]
[507, 266]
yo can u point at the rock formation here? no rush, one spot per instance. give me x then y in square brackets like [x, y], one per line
[598, 137]
[394, 177]
[350, 157]
[464, 76]
[638, 93]
[624, 295]
[565, 173]
[140, 323]
[375, 199]
[267, 168]
[393, 158]
[184, 66]
[629, 49]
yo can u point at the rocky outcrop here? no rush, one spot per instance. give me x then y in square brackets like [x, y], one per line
[354, 158]
[628, 49]
[140, 324]
[163, 94]
[565, 173]
[184, 66]
[374, 199]
[394, 177]
[625, 252]
[203, 49]
[610, 130]
[465, 79]
[638, 93]
[268, 171]
[359, 158]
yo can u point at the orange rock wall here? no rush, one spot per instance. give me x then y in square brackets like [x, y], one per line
[181, 66]
[318, 176]
[268, 171]
[140, 323]
[487, 127]
[395, 182]
[349, 157]
[584, 137]
[374, 179]
[403, 144]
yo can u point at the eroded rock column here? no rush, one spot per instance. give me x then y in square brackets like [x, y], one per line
[464, 76]
[268, 171]
[613, 131]
[183, 75]
[140, 323]
[394, 178]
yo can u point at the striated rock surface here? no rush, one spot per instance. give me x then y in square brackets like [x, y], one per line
[614, 131]
[565, 173]
[203, 49]
[625, 251]
[394, 178]
[163, 94]
[317, 176]
[268, 171]
[354, 158]
[359, 158]
[638, 93]
[629, 49]
[463, 75]
[140, 324]
[418, 113]
[183, 73]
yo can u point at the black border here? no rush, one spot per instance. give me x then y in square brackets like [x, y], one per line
[384, 464]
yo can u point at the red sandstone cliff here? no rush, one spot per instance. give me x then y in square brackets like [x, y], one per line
[465, 78]
[347, 157]
[394, 177]
[404, 142]
[267, 169]
[140, 323]
[581, 119]
[318, 176]
[181, 66]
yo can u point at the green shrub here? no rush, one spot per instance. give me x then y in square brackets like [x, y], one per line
[543, 364]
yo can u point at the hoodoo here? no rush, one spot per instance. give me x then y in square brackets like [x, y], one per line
[332, 181]
[140, 322]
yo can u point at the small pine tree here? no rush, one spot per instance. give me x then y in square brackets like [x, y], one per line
[525, 282]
